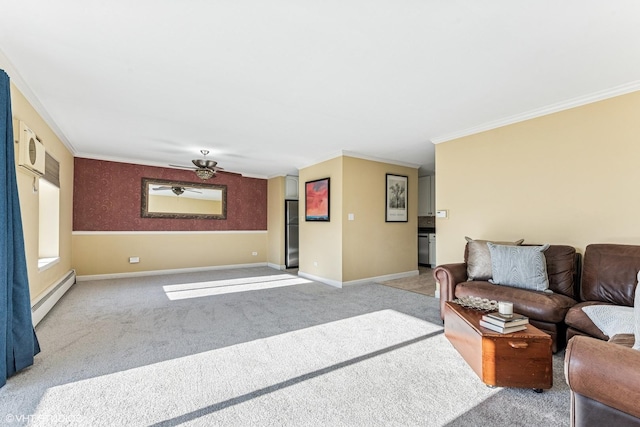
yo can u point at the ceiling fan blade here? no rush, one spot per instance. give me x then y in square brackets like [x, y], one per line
[160, 188]
[192, 190]
[229, 172]
[184, 167]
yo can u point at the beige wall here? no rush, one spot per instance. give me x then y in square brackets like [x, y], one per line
[97, 253]
[321, 242]
[367, 247]
[29, 201]
[565, 178]
[371, 246]
[275, 221]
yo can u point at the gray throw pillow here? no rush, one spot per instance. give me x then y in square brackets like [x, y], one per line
[519, 266]
[479, 258]
[636, 314]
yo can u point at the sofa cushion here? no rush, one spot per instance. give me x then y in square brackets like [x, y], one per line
[478, 258]
[542, 306]
[519, 266]
[611, 319]
[577, 319]
[562, 269]
[610, 273]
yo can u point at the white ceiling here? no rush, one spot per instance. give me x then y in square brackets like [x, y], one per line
[272, 86]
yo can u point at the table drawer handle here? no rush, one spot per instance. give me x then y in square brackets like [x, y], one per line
[518, 344]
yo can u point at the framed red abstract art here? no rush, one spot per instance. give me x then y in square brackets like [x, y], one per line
[316, 194]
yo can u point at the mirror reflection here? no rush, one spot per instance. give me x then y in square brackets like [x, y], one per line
[178, 199]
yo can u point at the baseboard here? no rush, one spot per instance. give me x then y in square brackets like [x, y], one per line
[86, 278]
[378, 279]
[276, 266]
[326, 281]
[45, 301]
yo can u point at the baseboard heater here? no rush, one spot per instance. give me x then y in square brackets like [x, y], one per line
[45, 302]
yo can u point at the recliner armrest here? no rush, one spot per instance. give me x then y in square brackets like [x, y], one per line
[606, 372]
[449, 275]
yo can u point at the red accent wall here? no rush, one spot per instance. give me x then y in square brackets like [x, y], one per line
[107, 197]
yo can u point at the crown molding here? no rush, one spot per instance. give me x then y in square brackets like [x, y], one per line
[539, 112]
[345, 153]
[26, 91]
[150, 163]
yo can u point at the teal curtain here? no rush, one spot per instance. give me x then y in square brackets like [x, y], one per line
[18, 342]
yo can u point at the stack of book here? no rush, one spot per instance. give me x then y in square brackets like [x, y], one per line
[505, 325]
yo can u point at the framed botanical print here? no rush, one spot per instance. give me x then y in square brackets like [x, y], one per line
[396, 200]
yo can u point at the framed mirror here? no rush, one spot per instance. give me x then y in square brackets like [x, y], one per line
[183, 200]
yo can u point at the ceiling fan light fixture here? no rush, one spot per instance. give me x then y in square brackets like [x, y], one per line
[204, 173]
[177, 190]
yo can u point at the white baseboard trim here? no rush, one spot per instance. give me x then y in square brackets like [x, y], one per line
[324, 280]
[384, 278]
[46, 300]
[86, 278]
[376, 279]
[276, 266]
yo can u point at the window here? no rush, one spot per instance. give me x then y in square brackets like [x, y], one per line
[49, 214]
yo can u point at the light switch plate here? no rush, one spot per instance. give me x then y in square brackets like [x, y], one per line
[442, 214]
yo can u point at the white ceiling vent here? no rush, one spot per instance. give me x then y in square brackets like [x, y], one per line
[31, 151]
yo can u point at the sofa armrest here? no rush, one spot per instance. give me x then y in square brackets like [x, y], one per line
[449, 275]
[606, 372]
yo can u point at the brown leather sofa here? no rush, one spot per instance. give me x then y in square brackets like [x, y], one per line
[603, 372]
[609, 276]
[546, 311]
[604, 378]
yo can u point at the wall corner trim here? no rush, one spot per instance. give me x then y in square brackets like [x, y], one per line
[276, 266]
[324, 280]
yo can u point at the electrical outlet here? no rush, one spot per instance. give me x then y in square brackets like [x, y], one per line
[315, 263]
[134, 260]
[254, 253]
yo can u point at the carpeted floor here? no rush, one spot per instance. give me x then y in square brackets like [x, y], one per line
[257, 347]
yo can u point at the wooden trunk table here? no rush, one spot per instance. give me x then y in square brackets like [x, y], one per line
[520, 359]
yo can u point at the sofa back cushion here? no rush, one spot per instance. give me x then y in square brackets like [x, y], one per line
[562, 269]
[610, 273]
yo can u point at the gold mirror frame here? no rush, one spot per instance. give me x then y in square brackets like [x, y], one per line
[147, 183]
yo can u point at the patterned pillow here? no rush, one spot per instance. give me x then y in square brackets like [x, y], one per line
[611, 319]
[636, 313]
[519, 266]
[479, 258]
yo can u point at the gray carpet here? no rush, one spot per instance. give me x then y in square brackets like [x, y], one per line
[209, 349]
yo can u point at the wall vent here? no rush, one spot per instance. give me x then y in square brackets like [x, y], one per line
[31, 151]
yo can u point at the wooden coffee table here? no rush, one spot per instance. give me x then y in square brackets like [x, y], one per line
[521, 359]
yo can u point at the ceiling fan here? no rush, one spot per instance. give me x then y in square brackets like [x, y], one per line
[204, 168]
[175, 189]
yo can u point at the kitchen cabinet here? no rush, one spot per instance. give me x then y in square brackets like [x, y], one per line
[291, 187]
[427, 196]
